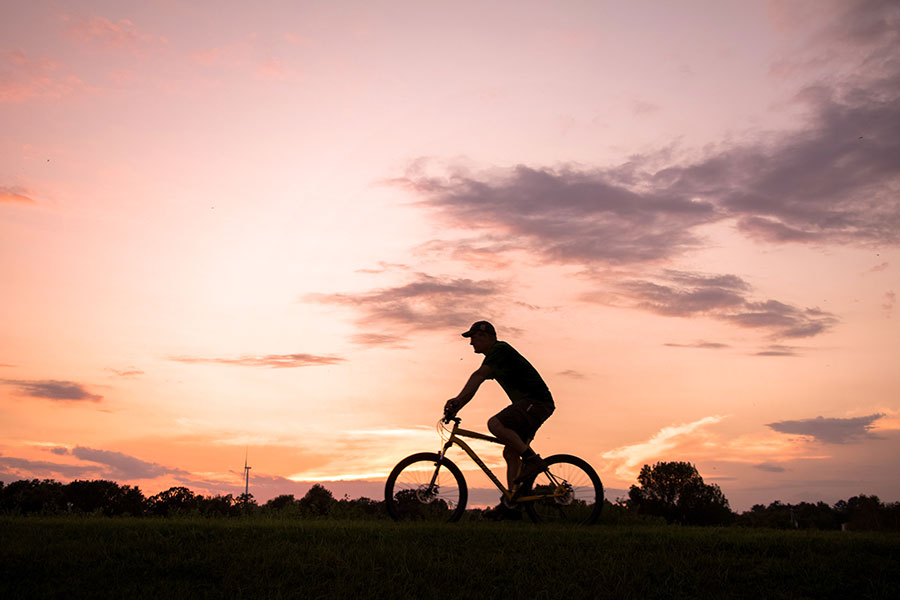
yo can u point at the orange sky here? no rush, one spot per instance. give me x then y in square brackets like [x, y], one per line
[230, 229]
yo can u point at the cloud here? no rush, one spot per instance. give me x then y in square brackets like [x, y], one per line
[383, 340]
[723, 297]
[23, 79]
[425, 304]
[564, 215]
[769, 467]
[39, 469]
[15, 195]
[53, 390]
[384, 267]
[833, 181]
[128, 372]
[275, 361]
[105, 464]
[831, 430]
[121, 35]
[572, 374]
[122, 466]
[631, 456]
[778, 350]
[700, 344]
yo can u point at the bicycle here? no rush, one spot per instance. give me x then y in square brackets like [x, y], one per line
[428, 486]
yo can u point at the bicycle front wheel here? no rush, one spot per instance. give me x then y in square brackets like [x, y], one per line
[572, 492]
[425, 487]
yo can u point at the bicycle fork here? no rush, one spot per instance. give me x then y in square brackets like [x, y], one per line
[437, 464]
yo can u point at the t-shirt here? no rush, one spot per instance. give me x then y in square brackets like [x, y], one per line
[515, 374]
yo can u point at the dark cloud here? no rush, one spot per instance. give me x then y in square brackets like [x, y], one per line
[835, 183]
[53, 390]
[783, 320]
[38, 469]
[831, 431]
[684, 294]
[567, 215]
[770, 467]
[778, 350]
[835, 180]
[700, 344]
[723, 297]
[105, 464]
[121, 466]
[275, 361]
[426, 304]
[572, 374]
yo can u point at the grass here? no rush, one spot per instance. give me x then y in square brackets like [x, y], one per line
[257, 558]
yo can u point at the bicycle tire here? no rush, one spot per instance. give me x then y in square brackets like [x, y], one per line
[406, 493]
[581, 506]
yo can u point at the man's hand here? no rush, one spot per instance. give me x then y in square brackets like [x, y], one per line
[450, 408]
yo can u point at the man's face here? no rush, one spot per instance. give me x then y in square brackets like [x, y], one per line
[481, 342]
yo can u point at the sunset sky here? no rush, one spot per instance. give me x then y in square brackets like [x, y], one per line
[235, 229]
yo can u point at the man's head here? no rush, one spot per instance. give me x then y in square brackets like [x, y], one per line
[482, 336]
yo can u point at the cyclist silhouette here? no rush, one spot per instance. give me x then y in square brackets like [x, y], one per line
[516, 424]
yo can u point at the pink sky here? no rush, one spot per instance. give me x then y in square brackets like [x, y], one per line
[228, 228]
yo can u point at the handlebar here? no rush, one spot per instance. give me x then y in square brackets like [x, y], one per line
[447, 418]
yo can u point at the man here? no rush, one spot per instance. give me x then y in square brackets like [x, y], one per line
[516, 424]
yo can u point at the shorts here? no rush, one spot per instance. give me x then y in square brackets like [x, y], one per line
[525, 417]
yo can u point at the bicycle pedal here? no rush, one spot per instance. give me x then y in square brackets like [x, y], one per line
[510, 503]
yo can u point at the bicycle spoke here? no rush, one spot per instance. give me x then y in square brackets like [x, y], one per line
[411, 495]
[571, 489]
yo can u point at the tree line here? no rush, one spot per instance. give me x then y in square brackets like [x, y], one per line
[673, 492]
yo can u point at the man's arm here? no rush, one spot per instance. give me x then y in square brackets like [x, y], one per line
[453, 405]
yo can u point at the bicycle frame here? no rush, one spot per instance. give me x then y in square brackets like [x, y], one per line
[455, 439]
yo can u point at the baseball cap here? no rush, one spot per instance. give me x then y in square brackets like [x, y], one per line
[480, 326]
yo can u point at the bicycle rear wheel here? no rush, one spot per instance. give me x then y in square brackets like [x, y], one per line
[414, 493]
[573, 488]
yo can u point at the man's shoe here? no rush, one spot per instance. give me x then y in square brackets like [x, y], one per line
[531, 466]
[502, 513]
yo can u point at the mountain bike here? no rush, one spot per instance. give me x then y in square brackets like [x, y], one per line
[428, 486]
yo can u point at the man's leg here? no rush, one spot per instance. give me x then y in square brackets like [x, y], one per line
[513, 466]
[513, 448]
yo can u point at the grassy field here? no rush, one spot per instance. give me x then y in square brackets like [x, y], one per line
[256, 558]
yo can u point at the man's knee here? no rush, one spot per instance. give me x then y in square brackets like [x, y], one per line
[494, 424]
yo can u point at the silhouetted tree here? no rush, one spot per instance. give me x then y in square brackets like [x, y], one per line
[789, 516]
[33, 496]
[284, 504]
[217, 506]
[359, 508]
[676, 492]
[317, 501]
[175, 500]
[861, 512]
[105, 497]
[246, 503]
[409, 506]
